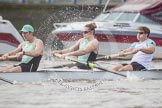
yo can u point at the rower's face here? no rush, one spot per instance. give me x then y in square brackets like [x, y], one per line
[141, 35]
[86, 32]
[26, 35]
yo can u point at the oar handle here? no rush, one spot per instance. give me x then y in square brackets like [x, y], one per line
[108, 57]
[70, 59]
[104, 58]
[57, 55]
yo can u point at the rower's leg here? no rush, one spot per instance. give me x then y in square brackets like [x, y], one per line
[14, 69]
[5, 68]
[117, 67]
[126, 68]
[74, 67]
[66, 67]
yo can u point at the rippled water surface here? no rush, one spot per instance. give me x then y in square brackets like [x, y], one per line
[106, 94]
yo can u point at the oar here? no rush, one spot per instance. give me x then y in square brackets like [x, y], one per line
[91, 65]
[108, 57]
[94, 65]
[154, 70]
[5, 80]
[70, 59]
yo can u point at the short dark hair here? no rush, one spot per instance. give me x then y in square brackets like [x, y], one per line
[145, 29]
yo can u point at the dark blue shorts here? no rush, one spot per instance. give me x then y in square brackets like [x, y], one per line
[25, 67]
[136, 66]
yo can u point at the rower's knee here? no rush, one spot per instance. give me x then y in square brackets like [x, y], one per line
[117, 68]
[126, 68]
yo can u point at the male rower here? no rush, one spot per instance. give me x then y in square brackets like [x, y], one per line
[143, 51]
[30, 52]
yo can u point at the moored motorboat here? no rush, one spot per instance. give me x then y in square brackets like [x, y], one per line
[117, 27]
[10, 38]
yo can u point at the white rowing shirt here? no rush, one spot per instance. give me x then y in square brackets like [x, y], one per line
[141, 57]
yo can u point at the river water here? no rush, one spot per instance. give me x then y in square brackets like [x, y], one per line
[124, 93]
[107, 94]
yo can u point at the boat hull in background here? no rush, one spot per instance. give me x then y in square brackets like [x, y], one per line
[10, 38]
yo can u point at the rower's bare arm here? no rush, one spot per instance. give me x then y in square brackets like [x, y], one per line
[149, 50]
[126, 52]
[38, 49]
[68, 50]
[75, 46]
[18, 49]
[93, 46]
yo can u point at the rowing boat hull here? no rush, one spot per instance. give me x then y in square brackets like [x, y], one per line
[48, 74]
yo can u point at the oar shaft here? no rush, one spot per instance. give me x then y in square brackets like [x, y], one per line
[70, 59]
[110, 71]
[5, 80]
[93, 65]
[108, 57]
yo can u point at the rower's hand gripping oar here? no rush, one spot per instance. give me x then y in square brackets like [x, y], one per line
[91, 65]
[108, 57]
[70, 59]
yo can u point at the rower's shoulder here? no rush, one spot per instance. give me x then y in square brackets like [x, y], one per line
[39, 41]
[151, 42]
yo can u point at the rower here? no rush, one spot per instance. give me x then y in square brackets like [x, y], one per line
[86, 48]
[30, 52]
[143, 51]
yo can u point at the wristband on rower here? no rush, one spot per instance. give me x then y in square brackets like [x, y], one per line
[23, 52]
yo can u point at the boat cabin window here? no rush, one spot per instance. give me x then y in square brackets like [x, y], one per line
[116, 16]
[158, 15]
[107, 17]
[127, 17]
[143, 19]
[101, 17]
[112, 16]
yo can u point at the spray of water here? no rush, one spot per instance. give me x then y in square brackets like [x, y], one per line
[70, 15]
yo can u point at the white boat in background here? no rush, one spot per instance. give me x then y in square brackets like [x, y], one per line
[117, 27]
[9, 36]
